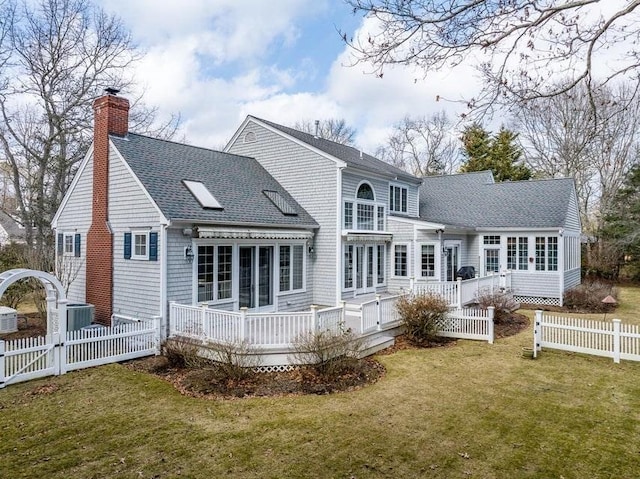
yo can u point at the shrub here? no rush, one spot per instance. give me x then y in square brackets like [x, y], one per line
[329, 353]
[588, 297]
[502, 301]
[182, 353]
[234, 360]
[420, 315]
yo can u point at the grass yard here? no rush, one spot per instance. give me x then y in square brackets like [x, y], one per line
[471, 410]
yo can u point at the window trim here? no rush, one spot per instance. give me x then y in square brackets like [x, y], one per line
[135, 256]
[436, 260]
[391, 196]
[72, 252]
[291, 270]
[408, 261]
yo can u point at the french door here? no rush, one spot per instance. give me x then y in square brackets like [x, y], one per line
[255, 279]
[364, 268]
[452, 254]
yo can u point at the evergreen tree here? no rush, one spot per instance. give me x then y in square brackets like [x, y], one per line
[621, 228]
[499, 153]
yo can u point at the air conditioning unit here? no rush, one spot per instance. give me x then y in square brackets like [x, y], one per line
[79, 315]
[8, 320]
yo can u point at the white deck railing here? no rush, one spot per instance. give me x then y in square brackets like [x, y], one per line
[600, 338]
[256, 329]
[379, 314]
[462, 292]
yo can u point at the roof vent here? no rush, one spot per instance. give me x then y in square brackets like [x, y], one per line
[317, 135]
[202, 194]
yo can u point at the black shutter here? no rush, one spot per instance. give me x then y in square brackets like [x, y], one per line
[60, 244]
[127, 246]
[153, 246]
[77, 245]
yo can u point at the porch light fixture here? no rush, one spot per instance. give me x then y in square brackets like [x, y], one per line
[188, 253]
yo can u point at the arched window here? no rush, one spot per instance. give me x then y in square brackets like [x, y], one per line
[365, 192]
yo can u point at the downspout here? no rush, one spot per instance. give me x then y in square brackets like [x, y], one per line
[561, 252]
[339, 269]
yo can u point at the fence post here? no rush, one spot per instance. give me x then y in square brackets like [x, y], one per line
[243, 320]
[60, 342]
[343, 315]
[157, 333]
[378, 313]
[491, 313]
[314, 318]
[537, 333]
[616, 341]
[172, 318]
[459, 293]
[1, 363]
[412, 284]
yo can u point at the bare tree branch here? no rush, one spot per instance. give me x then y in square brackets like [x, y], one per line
[334, 129]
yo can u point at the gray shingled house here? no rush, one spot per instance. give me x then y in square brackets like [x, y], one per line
[283, 219]
[382, 229]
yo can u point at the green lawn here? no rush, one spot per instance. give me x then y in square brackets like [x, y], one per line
[472, 410]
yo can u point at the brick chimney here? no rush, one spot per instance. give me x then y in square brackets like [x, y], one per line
[111, 117]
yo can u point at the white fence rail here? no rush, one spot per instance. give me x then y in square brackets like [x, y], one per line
[468, 323]
[461, 292]
[600, 338]
[257, 329]
[31, 358]
[379, 314]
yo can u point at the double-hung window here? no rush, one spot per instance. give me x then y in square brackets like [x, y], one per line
[291, 267]
[215, 272]
[397, 199]
[68, 244]
[546, 253]
[517, 252]
[140, 245]
[428, 261]
[400, 260]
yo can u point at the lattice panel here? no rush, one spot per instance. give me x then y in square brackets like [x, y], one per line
[279, 368]
[537, 300]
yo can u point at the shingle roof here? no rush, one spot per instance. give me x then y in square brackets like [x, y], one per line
[353, 157]
[237, 182]
[474, 200]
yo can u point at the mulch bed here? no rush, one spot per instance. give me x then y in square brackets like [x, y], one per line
[207, 381]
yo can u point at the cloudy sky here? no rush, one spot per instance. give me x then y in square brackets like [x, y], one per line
[215, 61]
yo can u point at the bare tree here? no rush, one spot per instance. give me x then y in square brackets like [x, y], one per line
[563, 139]
[524, 46]
[63, 54]
[334, 129]
[422, 146]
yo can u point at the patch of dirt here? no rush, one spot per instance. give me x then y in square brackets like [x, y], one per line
[207, 382]
[29, 325]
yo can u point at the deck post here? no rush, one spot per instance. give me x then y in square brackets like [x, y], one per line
[412, 284]
[616, 341]
[203, 320]
[491, 310]
[172, 317]
[378, 313]
[243, 320]
[2, 349]
[314, 318]
[459, 293]
[343, 314]
[537, 334]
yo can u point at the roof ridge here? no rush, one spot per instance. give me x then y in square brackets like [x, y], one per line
[148, 137]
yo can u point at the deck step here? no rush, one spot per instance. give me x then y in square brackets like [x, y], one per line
[377, 343]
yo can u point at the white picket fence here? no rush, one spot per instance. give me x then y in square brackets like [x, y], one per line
[612, 339]
[257, 329]
[31, 358]
[468, 323]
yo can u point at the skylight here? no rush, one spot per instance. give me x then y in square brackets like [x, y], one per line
[282, 204]
[202, 194]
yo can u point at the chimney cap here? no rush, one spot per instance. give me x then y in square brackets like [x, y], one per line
[112, 91]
